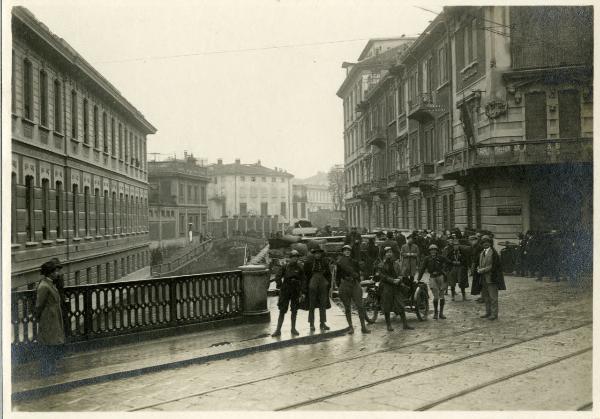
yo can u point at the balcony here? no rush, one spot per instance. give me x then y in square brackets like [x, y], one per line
[424, 107]
[362, 190]
[378, 187]
[398, 181]
[519, 153]
[376, 137]
[421, 172]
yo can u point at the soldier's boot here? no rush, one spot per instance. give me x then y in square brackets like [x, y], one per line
[442, 302]
[388, 321]
[363, 324]
[435, 309]
[349, 320]
[453, 293]
[294, 331]
[405, 325]
[279, 324]
[464, 294]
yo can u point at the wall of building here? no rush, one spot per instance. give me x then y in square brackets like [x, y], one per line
[55, 150]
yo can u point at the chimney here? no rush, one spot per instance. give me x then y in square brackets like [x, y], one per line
[258, 163]
[219, 161]
[237, 161]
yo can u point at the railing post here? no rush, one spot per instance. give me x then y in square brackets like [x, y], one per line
[173, 301]
[87, 316]
[255, 282]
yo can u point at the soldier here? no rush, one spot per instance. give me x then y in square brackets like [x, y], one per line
[348, 282]
[492, 278]
[458, 272]
[290, 291]
[317, 285]
[434, 264]
[393, 290]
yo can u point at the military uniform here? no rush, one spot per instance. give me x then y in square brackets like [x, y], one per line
[437, 280]
[291, 284]
[317, 286]
[458, 272]
[348, 282]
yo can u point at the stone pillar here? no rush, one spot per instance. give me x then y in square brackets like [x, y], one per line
[255, 282]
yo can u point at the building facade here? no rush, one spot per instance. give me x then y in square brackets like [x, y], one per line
[478, 123]
[79, 175]
[238, 189]
[178, 198]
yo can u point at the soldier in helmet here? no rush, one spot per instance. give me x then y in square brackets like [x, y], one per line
[348, 282]
[316, 286]
[435, 265]
[291, 283]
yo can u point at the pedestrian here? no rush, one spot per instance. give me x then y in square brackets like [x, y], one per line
[434, 264]
[372, 252]
[393, 291]
[393, 244]
[317, 285]
[348, 282]
[48, 310]
[409, 259]
[474, 252]
[400, 239]
[291, 283]
[492, 278]
[352, 236]
[459, 271]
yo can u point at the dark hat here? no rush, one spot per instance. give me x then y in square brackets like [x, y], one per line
[49, 267]
[473, 237]
[316, 249]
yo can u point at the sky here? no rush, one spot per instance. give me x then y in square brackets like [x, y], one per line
[179, 63]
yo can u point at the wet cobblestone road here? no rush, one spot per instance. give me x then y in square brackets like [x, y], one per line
[537, 356]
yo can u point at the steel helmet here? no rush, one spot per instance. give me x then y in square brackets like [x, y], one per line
[346, 247]
[433, 247]
[294, 252]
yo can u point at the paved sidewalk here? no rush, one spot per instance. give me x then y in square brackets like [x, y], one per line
[127, 360]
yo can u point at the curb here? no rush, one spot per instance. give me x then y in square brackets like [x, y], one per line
[236, 353]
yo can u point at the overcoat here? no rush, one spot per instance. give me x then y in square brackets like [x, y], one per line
[308, 272]
[409, 265]
[393, 296]
[48, 310]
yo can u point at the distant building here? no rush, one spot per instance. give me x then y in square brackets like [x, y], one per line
[79, 176]
[178, 198]
[240, 190]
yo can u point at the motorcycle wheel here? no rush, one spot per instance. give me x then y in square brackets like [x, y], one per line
[421, 304]
[371, 308]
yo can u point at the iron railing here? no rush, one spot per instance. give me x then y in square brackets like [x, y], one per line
[119, 308]
[181, 259]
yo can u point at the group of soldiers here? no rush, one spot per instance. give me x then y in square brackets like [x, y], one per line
[399, 266]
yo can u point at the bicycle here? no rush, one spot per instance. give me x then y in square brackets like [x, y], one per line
[418, 302]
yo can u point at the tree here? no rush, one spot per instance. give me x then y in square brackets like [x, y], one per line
[337, 186]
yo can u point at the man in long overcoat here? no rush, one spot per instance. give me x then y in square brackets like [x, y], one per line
[393, 292]
[51, 332]
[318, 284]
[492, 278]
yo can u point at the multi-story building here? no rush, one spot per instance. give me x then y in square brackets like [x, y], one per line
[79, 174]
[178, 198]
[493, 126]
[238, 189]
